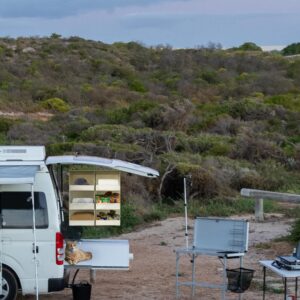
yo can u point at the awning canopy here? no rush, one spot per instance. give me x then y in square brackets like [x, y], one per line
[115, 164]
[18, 174]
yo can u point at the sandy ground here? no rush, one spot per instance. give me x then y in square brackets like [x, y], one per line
[152, 272]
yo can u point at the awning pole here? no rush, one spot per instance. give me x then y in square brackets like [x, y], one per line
[34, 245]
[186, 216]
[1, 246]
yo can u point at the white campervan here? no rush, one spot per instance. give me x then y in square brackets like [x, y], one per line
[31, 242]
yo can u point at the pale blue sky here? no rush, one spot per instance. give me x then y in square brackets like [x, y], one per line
[179, 23]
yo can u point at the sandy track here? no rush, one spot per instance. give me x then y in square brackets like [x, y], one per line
[152, 272]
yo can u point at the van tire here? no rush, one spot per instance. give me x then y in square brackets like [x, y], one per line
[9, 285]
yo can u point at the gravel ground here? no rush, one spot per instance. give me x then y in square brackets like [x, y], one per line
[152, 271]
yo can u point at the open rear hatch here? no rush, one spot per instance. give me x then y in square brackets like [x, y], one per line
[103, 162]
[106, 254]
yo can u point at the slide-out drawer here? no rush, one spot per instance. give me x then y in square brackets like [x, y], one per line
[107, 254]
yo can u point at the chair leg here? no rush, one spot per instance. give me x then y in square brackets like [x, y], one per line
[177, 271]
[193, 275]
[224, 288]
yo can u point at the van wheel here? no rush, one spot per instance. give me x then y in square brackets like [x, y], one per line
[9, 285]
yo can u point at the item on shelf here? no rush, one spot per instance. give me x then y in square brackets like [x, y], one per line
[82, 200]
[102, 215]
[81, 181]
[105, 199]
[108, 197]
[112, 214]
[115, 198]
[102, 199]
[82, 216]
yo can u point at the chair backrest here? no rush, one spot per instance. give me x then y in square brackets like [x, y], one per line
[217, 234]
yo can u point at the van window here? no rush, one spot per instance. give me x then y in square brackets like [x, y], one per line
[16, 209]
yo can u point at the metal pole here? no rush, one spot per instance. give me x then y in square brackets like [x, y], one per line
[285, 289]
[1, 246]
[186, 216]
[296, 288]
[264, 283]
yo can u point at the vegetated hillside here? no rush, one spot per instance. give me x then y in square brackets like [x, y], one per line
[230, 118]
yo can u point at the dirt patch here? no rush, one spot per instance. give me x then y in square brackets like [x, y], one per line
[152, 271]
[40, 116]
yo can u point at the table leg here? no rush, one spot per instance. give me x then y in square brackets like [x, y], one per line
[224, 288]
[296, 288]
[284, 296]
[193, 275]
[241, 265]
[264, 283]
[177, 270]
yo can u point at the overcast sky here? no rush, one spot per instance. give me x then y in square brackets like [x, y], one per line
[179, 23]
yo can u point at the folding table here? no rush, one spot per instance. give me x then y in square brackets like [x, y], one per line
[221, 238]
[285, 274]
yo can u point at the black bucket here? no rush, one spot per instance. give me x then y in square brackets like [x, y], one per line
[82, 291]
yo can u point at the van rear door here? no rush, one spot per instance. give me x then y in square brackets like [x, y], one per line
[105, 252]
[115, 164]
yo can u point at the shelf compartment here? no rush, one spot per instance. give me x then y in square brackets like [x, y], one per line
[108, 206]
[108, 222]
[76, 187]
[81, 223]
[112, 188]
[82, 206]
[82, 218]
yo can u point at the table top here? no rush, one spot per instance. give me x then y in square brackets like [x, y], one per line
[282, 272]
[209, 252]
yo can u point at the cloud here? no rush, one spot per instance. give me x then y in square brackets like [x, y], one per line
[63, 8]
[198, 29]
[180, 23]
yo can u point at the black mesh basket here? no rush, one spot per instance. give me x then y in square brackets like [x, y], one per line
[239, 279]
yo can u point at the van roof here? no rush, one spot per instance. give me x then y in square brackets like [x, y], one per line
[22, 153]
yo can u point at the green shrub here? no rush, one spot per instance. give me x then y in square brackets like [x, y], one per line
[59, 148]
[248, 46]
[295, 231]
[137, 86]
[291, 49]
[210, 77]
[118, 116]
[55, 104]
[129, 218]
[157, 213]
[288, 101]
[5, 124]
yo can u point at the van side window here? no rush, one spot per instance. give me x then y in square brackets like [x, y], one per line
[16, 209]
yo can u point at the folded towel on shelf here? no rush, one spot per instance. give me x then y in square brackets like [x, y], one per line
[82, 200]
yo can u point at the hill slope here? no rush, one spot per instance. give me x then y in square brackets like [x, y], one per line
[229, 118]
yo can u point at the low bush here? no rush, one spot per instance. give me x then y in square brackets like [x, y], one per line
[55, 104]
